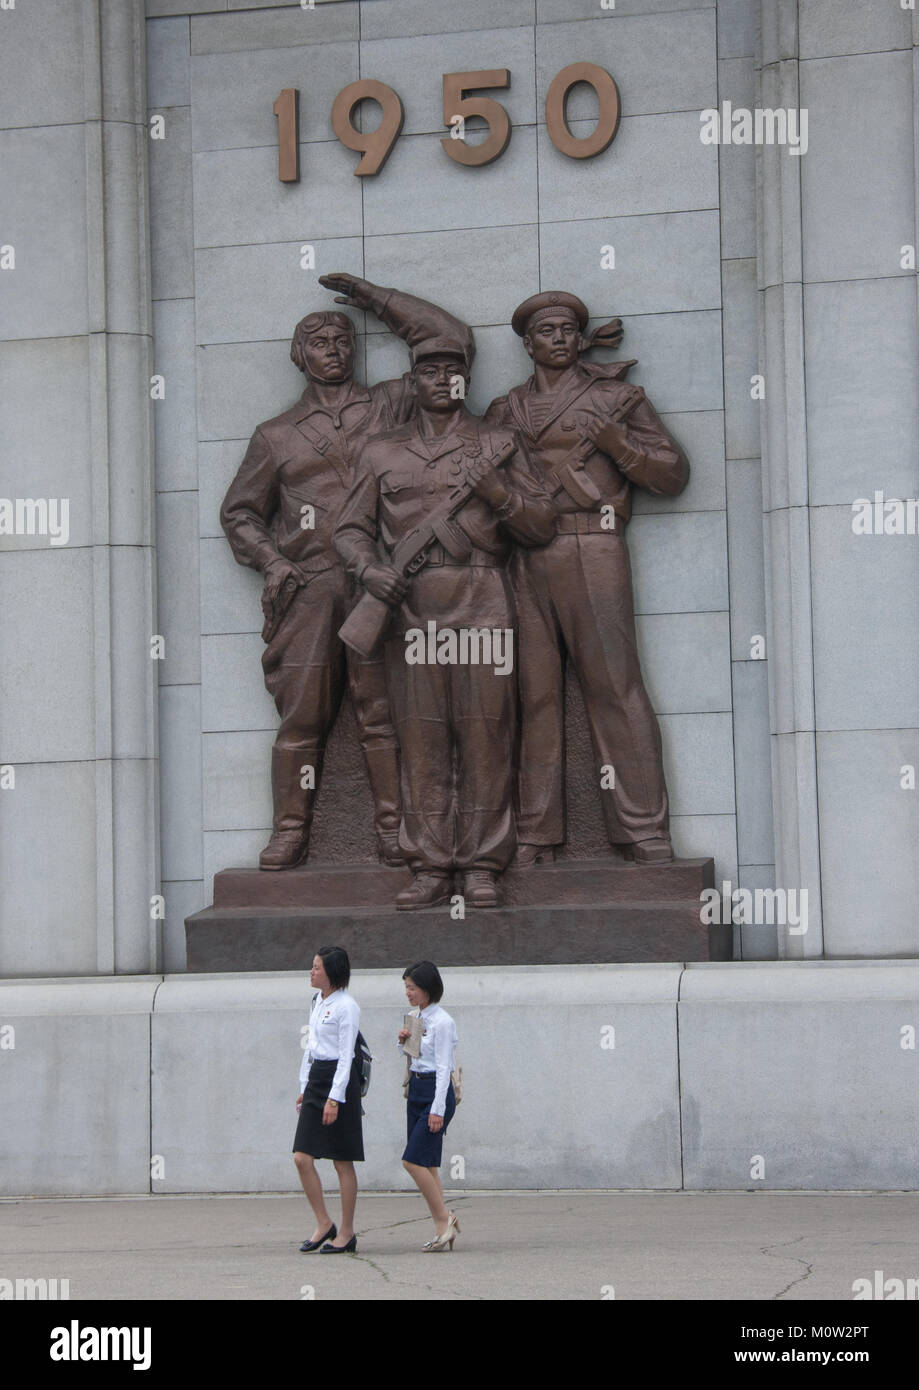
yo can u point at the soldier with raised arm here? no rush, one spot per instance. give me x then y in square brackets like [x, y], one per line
[279, 516]
[589, 438]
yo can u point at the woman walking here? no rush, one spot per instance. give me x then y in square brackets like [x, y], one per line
[431, 1099]
[330, 1101]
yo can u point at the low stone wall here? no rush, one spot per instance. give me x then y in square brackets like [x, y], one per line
[792, 1075]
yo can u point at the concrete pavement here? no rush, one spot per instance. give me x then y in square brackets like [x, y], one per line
[512, 1246]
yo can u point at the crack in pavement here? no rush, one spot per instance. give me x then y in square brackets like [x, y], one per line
[808, 1268]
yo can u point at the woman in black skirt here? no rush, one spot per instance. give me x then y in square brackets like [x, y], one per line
[431, 1101]
[330, 1101]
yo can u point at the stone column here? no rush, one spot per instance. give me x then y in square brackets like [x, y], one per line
[840, 422]
[79, 831]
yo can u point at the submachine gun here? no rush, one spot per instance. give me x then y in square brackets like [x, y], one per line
[369, 618]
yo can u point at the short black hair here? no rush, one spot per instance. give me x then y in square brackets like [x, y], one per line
[336, 965]
[427, 977]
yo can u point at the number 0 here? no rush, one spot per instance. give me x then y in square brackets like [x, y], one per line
[607, 121]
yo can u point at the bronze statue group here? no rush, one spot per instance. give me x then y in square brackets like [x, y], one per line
[376, 511]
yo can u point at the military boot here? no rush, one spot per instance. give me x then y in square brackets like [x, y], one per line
[383, 772]
[293, 808]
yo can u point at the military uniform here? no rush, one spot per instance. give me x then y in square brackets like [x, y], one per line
[306, 458]
[574, 601]
[445, 712]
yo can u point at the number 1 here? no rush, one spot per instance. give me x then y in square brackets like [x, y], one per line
[287, 110]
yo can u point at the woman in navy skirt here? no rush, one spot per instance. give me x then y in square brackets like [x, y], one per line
[431, 1101]
[330, 1101]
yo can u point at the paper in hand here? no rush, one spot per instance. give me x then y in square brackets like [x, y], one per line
[412, 1044]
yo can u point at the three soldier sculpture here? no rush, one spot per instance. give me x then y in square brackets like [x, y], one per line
[404, 541]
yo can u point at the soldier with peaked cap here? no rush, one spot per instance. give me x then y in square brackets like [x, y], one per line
[456, 714]
[589, 438]
[279, 515]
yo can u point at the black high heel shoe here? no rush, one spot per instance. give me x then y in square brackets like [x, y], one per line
[348, 1249]
[330, 1234]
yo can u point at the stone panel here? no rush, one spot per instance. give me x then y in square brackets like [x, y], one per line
[679, 358]
[837, 1043]
[175, 428]
[753, 762]
[44, 425]
[685, 661]
[869, 830]
[46, 636]
[826, 27]
[233, 695]
[235, 94]
[862, 405]
[655, 164]
[239, 199]
[217, 465]
[698, 757]
[45, 221]
[857, 139]
[86, 1042]
[180, 781]
[663, 263]
[230, 593]
[741, 332]
[168, 70]
[745, 555]
[661, 62]
[737, 164]
[401, 18]
[171, 232]
[49, 34]
[237, 780]
[52, 807]
[866, 661]
[178, 618]
[275, 28]
[679, 563]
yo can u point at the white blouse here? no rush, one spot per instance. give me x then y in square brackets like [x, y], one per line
[334, 1022]
[438, 1052]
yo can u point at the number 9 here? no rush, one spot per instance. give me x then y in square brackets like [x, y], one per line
[377, 144]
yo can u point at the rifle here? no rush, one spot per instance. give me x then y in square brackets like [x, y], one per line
[570, 475]
[367, 621]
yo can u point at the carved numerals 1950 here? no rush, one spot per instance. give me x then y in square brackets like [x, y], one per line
[375, 146]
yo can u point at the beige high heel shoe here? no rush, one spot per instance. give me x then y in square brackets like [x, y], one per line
[444, 1242]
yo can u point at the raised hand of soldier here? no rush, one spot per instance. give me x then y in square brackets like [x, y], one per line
[350, 290]
[385, 583]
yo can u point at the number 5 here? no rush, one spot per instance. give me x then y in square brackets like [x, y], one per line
[456, 103]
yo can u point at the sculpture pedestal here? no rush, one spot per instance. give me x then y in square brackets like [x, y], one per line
[580, 912]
